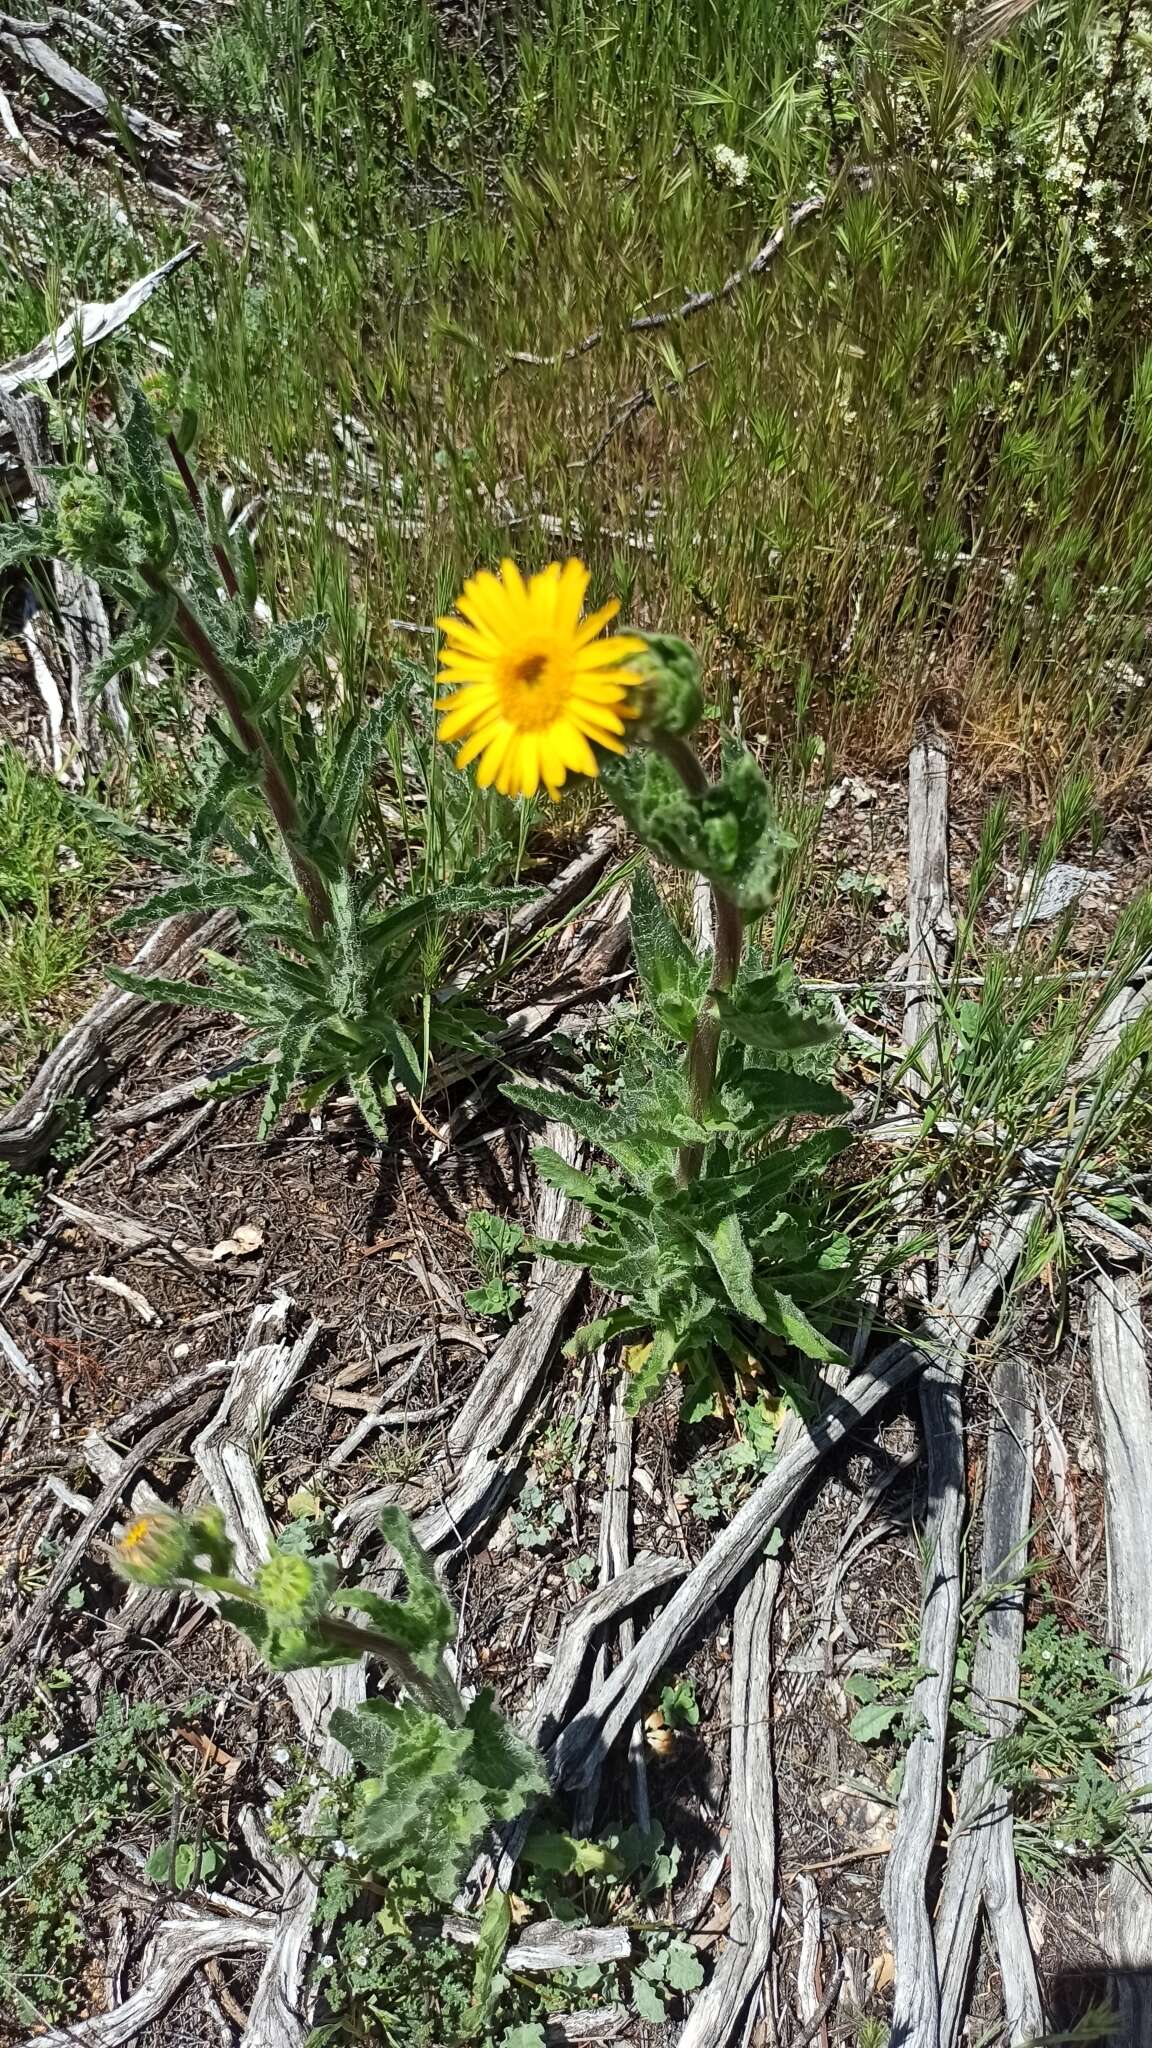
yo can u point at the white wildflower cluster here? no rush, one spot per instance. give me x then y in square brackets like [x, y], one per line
[1120, 679]
[730, 165]
[423, 89]
[828, 63]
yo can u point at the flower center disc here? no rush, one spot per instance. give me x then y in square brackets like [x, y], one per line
[531, 694]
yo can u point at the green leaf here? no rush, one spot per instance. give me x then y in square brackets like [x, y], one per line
[673, 977]
[589, 1120]
[871, 1722]
[495, 1927]
[727, 832]
[773, 1093]
[496, 1239]
[761, 1013]
[683, 1969]
[193, 994]
[420, 1806]
[495, 1298]
[149, 630]
[21, 543]
[372, 1108]
[621, 1322]
[297, 1035]
[728, 1250]
[405, 1058]
[208, 892]
[511, 1770]
[547, 1849]
[283, 650]
[649, 2004]
[786, 1319]
[650, 1371]
[423, 1622]
[530, 2035]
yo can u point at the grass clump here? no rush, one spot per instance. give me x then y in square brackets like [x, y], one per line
[55, 868]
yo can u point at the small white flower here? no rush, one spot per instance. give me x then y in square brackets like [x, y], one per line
[361, 1961]
[339, 1848]
[730, 165]
[281, 1754]
[423, 89]
[223, 130]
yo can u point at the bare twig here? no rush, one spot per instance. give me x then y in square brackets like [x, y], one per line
[697, 302]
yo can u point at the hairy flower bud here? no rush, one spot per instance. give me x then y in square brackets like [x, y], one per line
[94, 528]
[286, 1587]
[673, 699]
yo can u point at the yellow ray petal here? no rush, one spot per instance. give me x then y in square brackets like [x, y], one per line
[464, 639]
[552, 763]
[514, 584]
[486, 602]
[595, 622]
[574, 748]
[478, 740]
[570, 594]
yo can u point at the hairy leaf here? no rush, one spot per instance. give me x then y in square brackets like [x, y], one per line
[728, 832]
[511, 1770]
[149, 630]
[673, 977]
[294, 1042]
[765, 1013]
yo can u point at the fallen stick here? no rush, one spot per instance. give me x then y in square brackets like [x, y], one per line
[950, 1325]
[178, 1947]
[697, 302]
[1119, 1357]
[85, 327]
[728, 2005]
[981, 1864]
[103, 1508]
[110, 1035]
[84, 90]
[481, 1446]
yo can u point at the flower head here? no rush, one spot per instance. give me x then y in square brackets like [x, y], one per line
[532, 688]
[155, 1550]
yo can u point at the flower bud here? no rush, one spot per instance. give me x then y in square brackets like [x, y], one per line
[673, 700]
[212, 1547]
[93, 527]
[286, 1587]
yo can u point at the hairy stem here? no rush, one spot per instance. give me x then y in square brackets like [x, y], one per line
[273, 781]
[437, 1691]
[727, 953]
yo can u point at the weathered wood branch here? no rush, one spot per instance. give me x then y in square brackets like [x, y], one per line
[116, 1030]
[1119, 1356]
[981, 1863]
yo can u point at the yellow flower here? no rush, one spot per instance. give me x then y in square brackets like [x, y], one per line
[154, 1549]
[532, 688]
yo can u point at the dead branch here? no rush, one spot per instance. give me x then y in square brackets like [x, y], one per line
[981, 1855]
[698, 302]
[1119, 1356]
[481, 1448]
[26, 1632]
[951, 1325]
[178, 1947]
[114, 1032]
[86, 326]
[76, 85]
[728, 2003]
